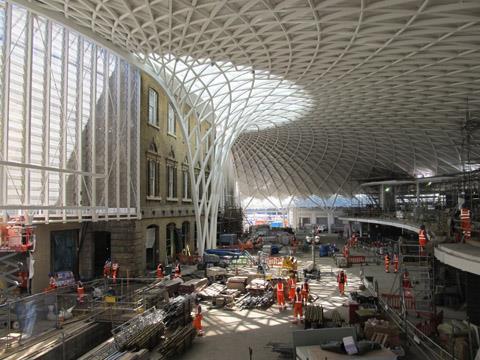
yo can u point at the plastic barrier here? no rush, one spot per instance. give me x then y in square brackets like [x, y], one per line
[275, 261]
[357, 259]
[393, 300]
[189, 259]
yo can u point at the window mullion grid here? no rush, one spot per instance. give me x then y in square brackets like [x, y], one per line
[117, 134]
[27, 110]
[63, 125]
[5, 104]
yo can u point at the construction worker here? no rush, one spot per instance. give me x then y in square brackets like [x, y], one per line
[294, 245]
[115, 271]
[197, 320]
[160, 271]
[292, 284]
[422, 240]
[395, 263]
[386, 261]
[465, 223]
[305, 291]
[298, 306]
[342, 281]
[408, 292]
[280, 294]
[107, 268]
[355, 239]
[80, 292]
[346, 251]
[178, 270]
[406, 284]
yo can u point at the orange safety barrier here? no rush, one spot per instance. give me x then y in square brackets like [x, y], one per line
[275, 261]
[188, 259]
[393, 300]
[357, 259]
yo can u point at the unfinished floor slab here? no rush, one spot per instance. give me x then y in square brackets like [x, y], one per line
[230, 334]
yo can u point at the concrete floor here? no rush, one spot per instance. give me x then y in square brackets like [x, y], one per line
[229, 334]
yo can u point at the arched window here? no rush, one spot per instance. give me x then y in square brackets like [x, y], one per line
[151, 247]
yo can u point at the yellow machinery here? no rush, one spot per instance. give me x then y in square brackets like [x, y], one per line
[289, 263]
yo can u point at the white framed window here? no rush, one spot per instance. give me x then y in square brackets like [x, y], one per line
[171, 123]
[172, 182]
[186, 185]
[153, 188]
[152, 107]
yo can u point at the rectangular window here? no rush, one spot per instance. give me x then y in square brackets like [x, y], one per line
[63, 245]
[186, 185]
[152, 176]
[171, 125]
[152, 107]
[172, 182]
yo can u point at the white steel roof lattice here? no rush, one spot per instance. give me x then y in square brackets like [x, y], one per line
[383, 84]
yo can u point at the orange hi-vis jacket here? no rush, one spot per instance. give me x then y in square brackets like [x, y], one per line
[298, 299]
[422, 237]
[464, 214]
[280, 287]
[160, 273]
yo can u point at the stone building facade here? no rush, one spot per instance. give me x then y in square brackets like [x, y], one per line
[167, 224]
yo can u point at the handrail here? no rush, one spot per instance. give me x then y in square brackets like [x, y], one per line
[423, 343]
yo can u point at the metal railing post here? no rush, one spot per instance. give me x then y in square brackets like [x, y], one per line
[63, 346]
[9, 325]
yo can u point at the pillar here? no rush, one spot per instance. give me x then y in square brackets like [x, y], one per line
[330, 221]
[382, 196]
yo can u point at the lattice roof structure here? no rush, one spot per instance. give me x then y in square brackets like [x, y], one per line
[316, 95]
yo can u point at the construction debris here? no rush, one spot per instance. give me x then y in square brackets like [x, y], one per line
[237, 283]
[140, 330]
[172, 286]
[262, 301]
[258, 286]
[211, 291]
[177, 312]
[178, 341]
[191, 286]
[313, 316]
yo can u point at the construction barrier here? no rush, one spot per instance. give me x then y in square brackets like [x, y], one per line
[189, 259]
[393, 300]
[357, 259]
[275, 261]
[239, 261]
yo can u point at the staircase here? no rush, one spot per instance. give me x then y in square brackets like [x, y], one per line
[419, 265]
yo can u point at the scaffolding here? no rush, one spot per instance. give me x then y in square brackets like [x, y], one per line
[230, 220]
[17, 240]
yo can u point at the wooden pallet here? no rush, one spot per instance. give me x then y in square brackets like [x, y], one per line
[380, 338]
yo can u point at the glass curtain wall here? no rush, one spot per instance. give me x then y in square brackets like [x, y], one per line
[69, 112]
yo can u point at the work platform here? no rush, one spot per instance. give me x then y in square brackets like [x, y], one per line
[399, 223]
[465, 257]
